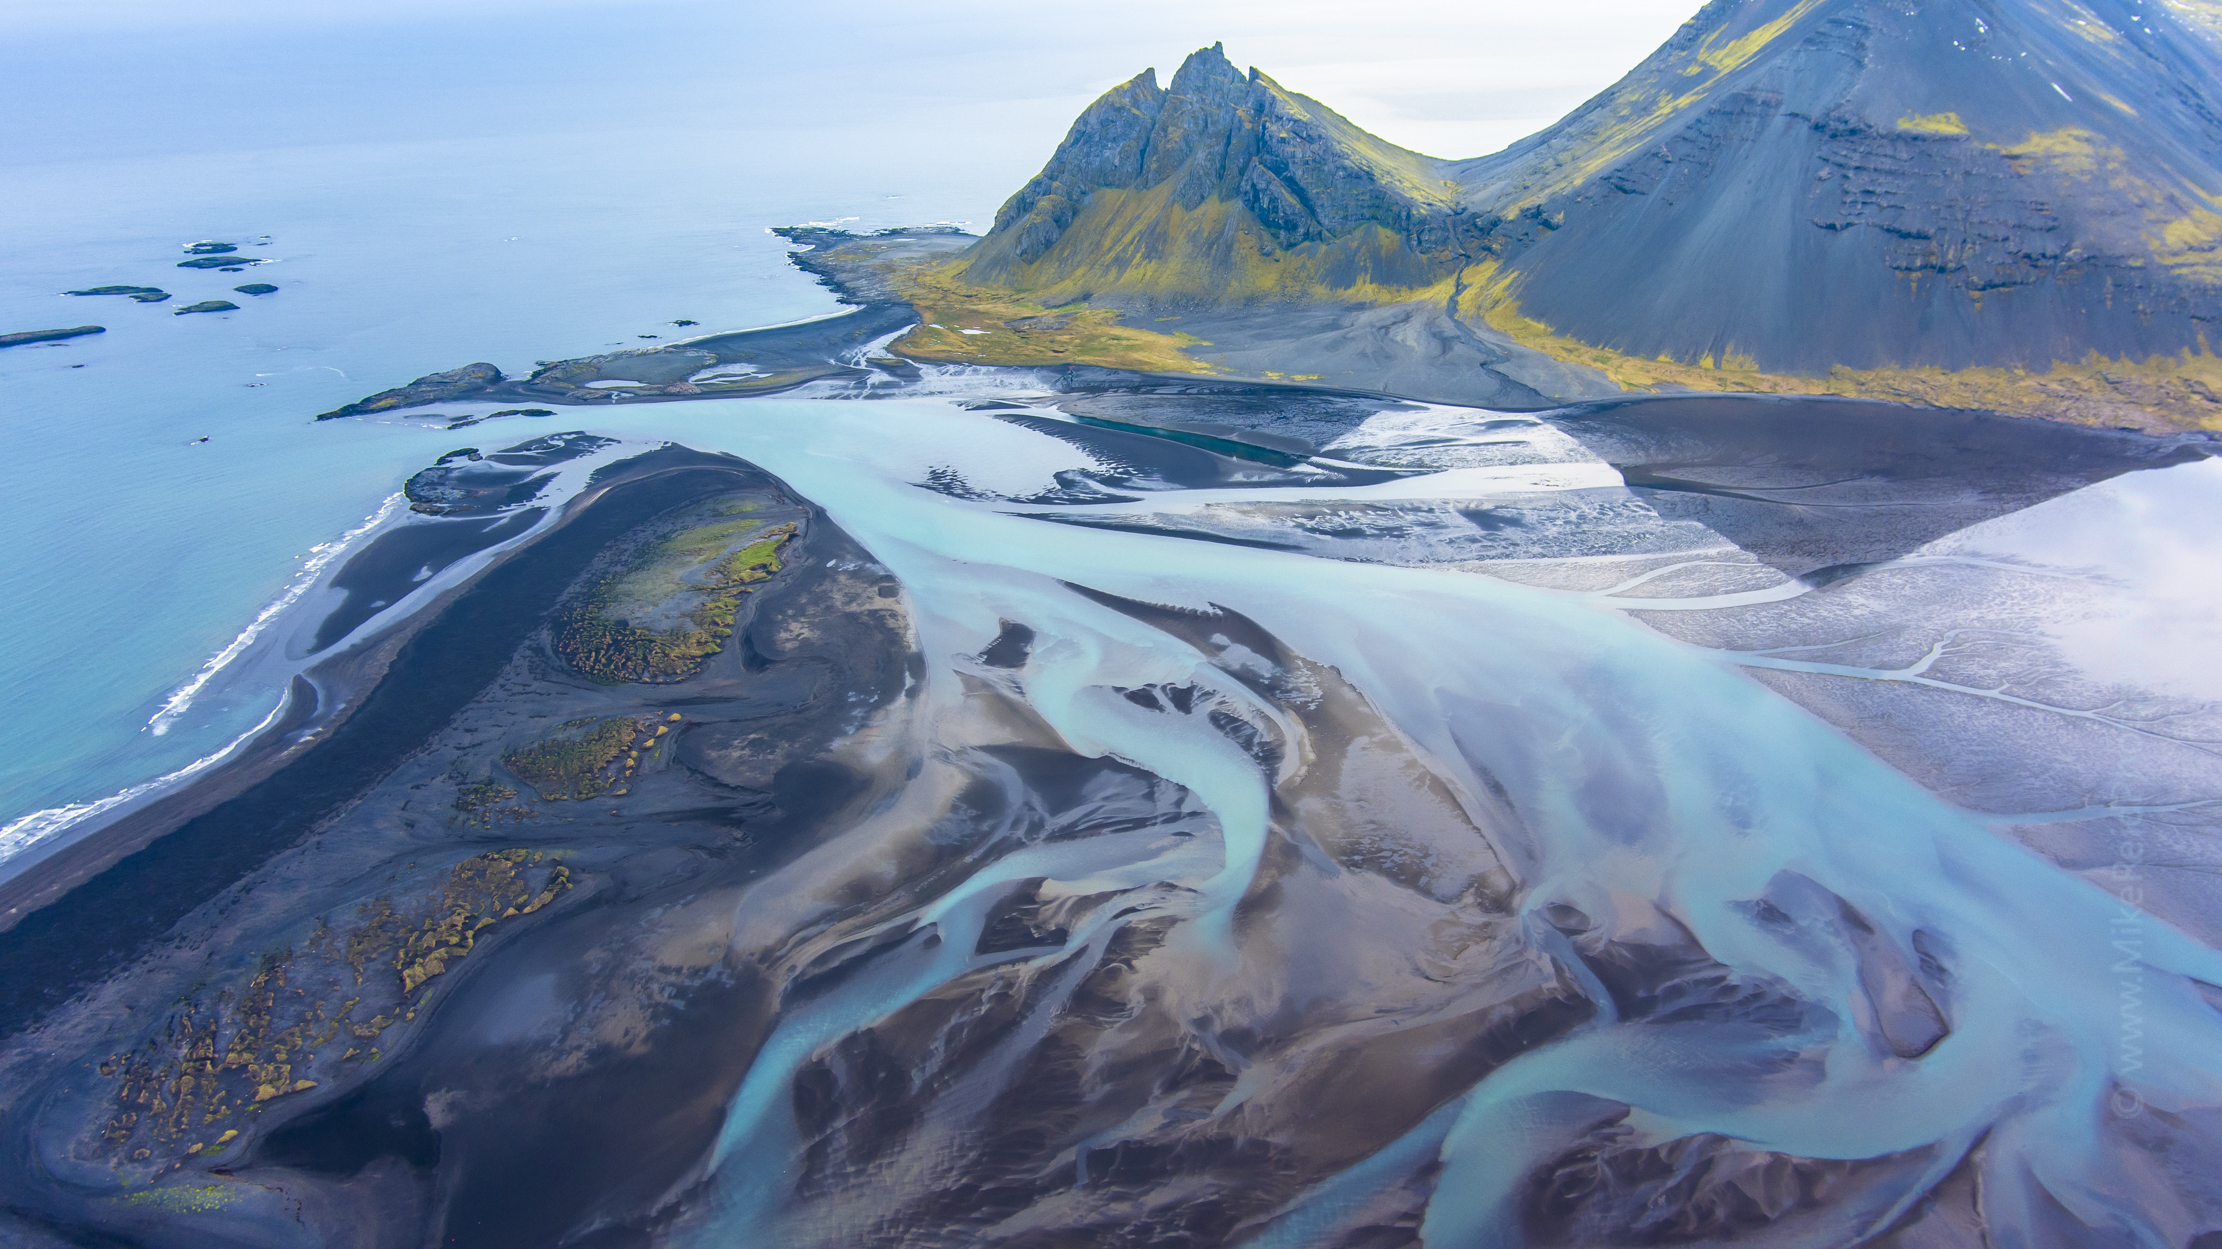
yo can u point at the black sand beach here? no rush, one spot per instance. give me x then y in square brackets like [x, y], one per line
[53, 951]
[321, 826]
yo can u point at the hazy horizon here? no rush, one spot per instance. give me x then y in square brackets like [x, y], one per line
[126, 79]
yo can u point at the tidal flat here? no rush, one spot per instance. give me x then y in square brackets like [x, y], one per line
[1009, 800]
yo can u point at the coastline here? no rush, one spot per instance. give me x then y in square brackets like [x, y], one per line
[762, 752]
[347, 594]
[348, 722]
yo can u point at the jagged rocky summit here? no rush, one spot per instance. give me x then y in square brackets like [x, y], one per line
[2014, 205]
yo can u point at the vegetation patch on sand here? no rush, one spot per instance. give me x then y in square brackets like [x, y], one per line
[658, 618]
[576, 766]
[225, 1049]
[480, 803]
[185, 1198]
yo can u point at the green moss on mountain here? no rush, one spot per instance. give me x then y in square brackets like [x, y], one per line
[1821, 196]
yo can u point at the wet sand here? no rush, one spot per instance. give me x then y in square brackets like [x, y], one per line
[384, 572]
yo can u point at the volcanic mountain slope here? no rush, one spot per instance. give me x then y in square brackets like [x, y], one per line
[2001, 204]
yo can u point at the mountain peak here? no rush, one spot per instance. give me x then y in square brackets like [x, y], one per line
[1869, 184]
[1292, 170]
[1205, 67]
[1845, 196]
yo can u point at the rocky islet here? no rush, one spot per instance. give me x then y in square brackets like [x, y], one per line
[138, 294]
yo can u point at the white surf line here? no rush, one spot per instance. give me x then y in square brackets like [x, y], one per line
[36, 826]
[319, 558]
[26, 831]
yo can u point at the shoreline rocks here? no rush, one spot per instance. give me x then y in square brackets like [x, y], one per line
[454, 384]
[143, 294]
[22, 337]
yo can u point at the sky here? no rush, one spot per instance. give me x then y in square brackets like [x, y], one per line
[991, 81]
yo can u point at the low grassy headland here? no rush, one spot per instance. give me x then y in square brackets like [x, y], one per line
[660, 616]
[963, 322]
[960, 323]
[231, 1046]
[454, 384]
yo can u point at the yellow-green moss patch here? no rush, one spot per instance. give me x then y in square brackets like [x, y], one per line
[1932, 123]
[660, 617]
[575, 765]
[2182, 391]
[226, 1049]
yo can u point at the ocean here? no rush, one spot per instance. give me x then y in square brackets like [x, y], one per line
[138, 550]
[436, 185]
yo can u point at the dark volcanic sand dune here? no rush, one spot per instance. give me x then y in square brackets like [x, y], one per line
[1808, 483]
[478, 1123]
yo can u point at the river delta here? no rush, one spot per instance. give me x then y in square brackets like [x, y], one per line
[1258, 695]
[947, 805]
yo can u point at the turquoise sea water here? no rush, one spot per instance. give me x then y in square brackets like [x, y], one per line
[136, 551]
[478, 181]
